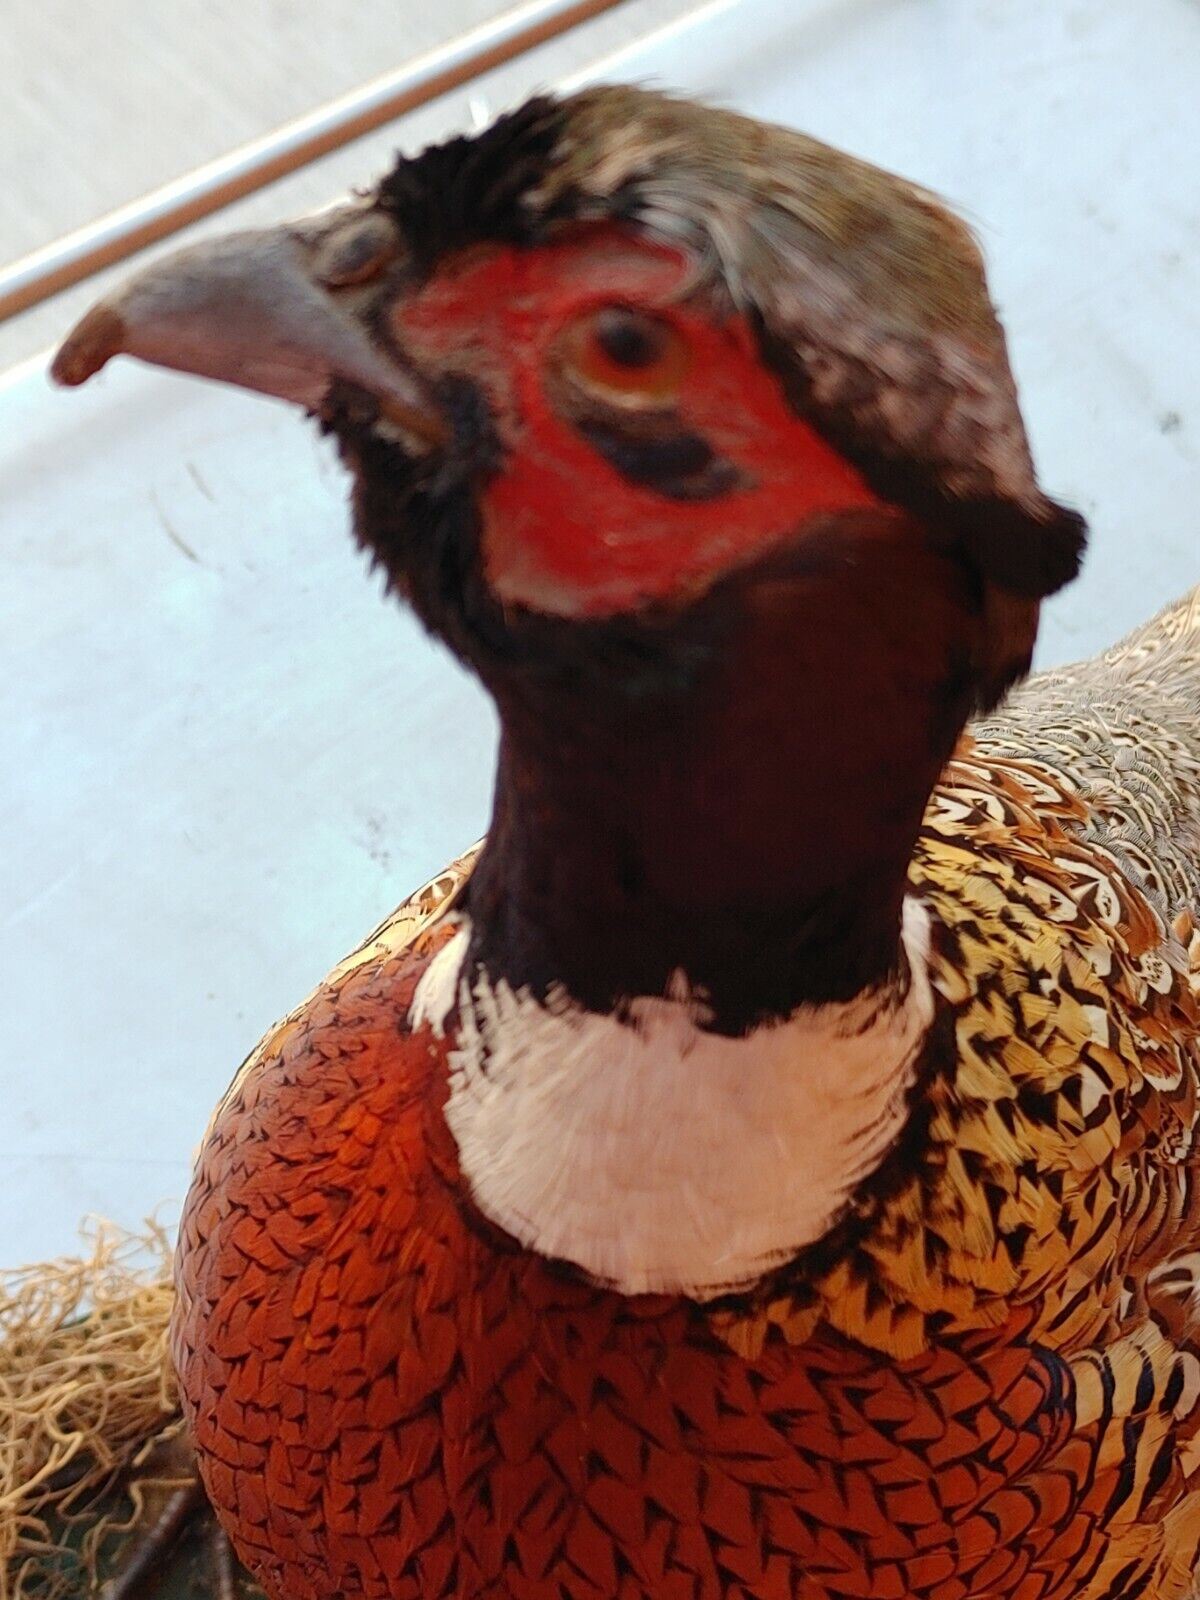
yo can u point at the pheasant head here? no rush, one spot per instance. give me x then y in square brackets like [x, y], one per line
[696, 439]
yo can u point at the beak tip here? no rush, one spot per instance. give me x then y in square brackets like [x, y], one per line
[98, 336]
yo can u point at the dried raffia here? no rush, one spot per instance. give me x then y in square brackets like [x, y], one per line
[87, 1397]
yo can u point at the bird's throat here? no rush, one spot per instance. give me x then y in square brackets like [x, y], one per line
[750, 825]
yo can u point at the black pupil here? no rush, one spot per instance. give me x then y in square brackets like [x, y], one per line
[628, 339]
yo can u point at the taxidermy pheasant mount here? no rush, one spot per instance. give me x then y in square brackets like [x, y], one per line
[766, 1168]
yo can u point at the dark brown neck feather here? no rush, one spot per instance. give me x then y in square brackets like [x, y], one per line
[754, 828]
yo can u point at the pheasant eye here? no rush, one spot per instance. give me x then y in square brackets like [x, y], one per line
[630, 340]
[626, 357]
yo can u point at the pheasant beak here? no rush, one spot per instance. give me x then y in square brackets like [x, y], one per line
[278, 310]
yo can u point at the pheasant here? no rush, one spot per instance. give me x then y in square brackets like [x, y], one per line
[764, 1168]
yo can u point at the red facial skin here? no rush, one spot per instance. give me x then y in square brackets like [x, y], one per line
[565, 532]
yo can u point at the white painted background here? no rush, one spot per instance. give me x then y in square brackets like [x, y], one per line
[105, 102]
[226, 758]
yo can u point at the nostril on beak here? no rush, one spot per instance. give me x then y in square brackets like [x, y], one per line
[356, 253]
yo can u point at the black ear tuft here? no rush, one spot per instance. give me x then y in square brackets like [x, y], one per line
[474, 187]
[1022, 542]
[1031, 552]
[1028, 553]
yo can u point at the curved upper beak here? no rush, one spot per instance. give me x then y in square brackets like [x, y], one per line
[279, 310]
